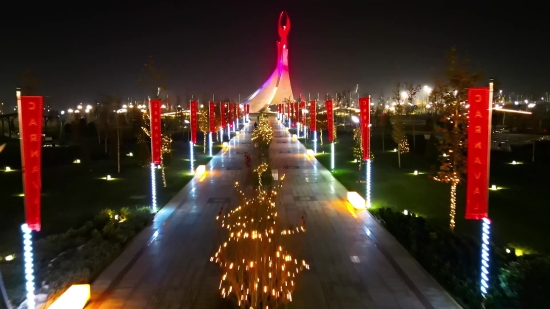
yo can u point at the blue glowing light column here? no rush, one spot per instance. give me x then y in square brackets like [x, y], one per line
[332, 156]
[29, 265]
[485, 237]
[153, 189]
[368, 183]
[211, 142]
[192, 157]
[228, 131]
[315, 142]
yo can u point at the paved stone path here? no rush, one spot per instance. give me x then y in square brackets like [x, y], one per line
[355, 263]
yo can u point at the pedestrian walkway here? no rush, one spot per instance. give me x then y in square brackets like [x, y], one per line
[354, 262]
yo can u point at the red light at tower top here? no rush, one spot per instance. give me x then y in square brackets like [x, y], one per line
[284, 30]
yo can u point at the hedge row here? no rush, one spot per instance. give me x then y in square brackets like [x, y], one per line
[79, 255]
[454, 261]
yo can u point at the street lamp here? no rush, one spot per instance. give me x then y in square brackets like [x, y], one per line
[355, 119]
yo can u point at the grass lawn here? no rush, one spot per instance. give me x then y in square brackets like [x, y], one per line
[75, 193]
[519, 210]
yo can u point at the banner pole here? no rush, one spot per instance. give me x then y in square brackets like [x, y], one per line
[486, 222]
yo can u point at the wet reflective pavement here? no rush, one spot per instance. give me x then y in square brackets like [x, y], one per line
[355, 263]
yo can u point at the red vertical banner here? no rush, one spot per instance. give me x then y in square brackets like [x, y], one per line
[156, 143]
[313, 115]
[247, 109]
[330, 120]
[212, 117]
[223, 114]
[31, 110]
[364, 108]
[194, 121]
[296, 112]
[231, 114]
[479, 139]
[303, 111]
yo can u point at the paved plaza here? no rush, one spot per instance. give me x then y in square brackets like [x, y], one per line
[354, 262]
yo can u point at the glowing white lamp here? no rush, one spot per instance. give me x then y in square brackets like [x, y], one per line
[75, 297]
[494, 187]
[395, 150]
[356, 200]
[108, 177]
[406, 212]
[310, 153]
[225, 145]
[416, 172]
[29, 265]
[200, 170]
[8, 169]
[130, 154]
[294, 137]
[77, 161]
[514, 162]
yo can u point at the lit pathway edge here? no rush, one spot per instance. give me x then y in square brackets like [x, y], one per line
[123, 263]
[430, 293]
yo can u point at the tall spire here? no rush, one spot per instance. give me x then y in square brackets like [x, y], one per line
[277, 87]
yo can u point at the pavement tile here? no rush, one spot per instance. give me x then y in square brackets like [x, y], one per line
[174, 271]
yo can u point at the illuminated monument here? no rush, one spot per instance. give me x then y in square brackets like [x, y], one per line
[277, 87]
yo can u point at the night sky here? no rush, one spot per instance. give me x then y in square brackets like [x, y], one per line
[81, 51]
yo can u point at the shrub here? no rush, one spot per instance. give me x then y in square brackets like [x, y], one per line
[453, 260]
[525, 281]
[79, 255]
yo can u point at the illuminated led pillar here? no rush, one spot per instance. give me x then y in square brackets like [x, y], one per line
[221, 135]
[29, 265]
[211, 143]
[153, 189]
[298, 129]
[485, 236]
[315, 142]
[332, 156]
[368, 200]
[228, 131]
[192, 158]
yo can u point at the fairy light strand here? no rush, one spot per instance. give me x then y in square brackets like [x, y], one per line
[256, 268]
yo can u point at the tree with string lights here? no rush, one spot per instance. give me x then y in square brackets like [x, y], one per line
[263, 135]
[452, 93]
[398, 129]
[257, 271]
[204, 125]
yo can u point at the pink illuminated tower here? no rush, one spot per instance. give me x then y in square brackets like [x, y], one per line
[277, 87]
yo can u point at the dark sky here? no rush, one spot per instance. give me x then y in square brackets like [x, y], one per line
[82, 50]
